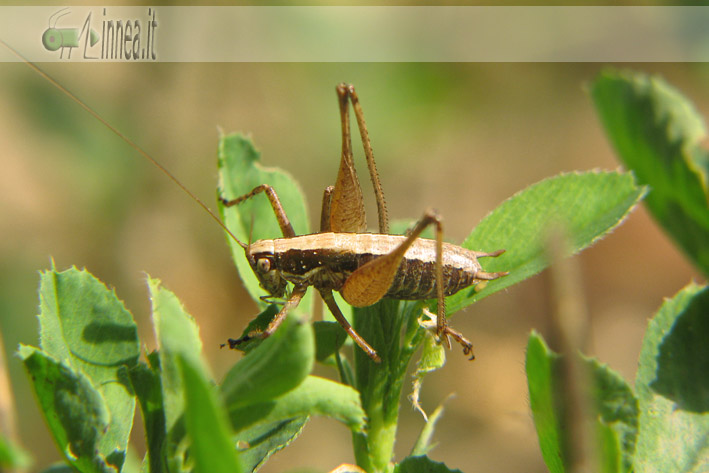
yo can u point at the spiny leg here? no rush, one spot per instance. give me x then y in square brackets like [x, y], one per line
[281, 216]
[442, 327]
[370, 282]
[325, 210]
[347, 213]
[369, 155]
[292, 302]
[337, 313]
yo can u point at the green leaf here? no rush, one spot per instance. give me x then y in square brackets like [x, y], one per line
[314, 396]
[277, 365]
[613, 406]
[59, 468]
[257, 324]
[177, 335]
[329, 338]
[262, 440]
[239, 173]
[422, 464]
[541, 371]
[673, 387]
[433, 357]
[658, 134]
[85, 326]
[587, 205]
[211, 447]
[12, 456]
[76, 413]
[610, 456]
[618, 410]
[148, 389]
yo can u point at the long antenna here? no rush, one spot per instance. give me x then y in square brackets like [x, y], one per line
[50, 22]
[117, 132]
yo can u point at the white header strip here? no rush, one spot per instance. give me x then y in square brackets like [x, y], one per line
[357, 34]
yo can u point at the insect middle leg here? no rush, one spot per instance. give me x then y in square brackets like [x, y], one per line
[337, 313]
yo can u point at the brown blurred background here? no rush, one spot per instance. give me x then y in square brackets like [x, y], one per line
[458, 137]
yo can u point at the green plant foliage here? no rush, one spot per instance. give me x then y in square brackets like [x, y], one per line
[280, 363]
[147, 385]
[433, 357]
[86, 335]
[424, 443]
[329, 338]
[673, 387]
[90, 348]
[658, 134]
[269, 393]
[177, 335]
[211, 446]
[314, 396]
[422, 464]
[239, 173]
[614, 408]
[380, 384]
[618, 411]
[587, 205]
[258, 442]
[76, 412]
[540, 367]
[12, 456]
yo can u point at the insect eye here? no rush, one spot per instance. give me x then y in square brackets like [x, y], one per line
[264, 265]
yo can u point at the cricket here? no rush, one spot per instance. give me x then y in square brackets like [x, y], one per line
[363, 267]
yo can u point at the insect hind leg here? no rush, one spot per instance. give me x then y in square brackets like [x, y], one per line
[448, 331]
[348, 90]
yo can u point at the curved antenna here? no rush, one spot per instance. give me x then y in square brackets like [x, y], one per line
[131, 143]
[57, 19]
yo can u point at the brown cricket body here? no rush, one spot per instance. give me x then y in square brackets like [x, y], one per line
[363, 267]
[326, 260]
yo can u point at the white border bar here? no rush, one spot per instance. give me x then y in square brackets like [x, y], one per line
[375, 34]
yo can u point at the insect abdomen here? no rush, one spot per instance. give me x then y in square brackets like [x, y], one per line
[416, 277]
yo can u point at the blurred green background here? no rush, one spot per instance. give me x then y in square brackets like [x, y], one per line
[458, 137]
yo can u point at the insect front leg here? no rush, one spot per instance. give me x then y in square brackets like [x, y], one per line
[292, 302]
[281, 216]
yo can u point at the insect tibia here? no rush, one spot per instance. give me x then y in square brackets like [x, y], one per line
[281, 216]
[446, 332]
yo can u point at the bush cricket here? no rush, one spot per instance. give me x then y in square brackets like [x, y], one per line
[363, 267]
